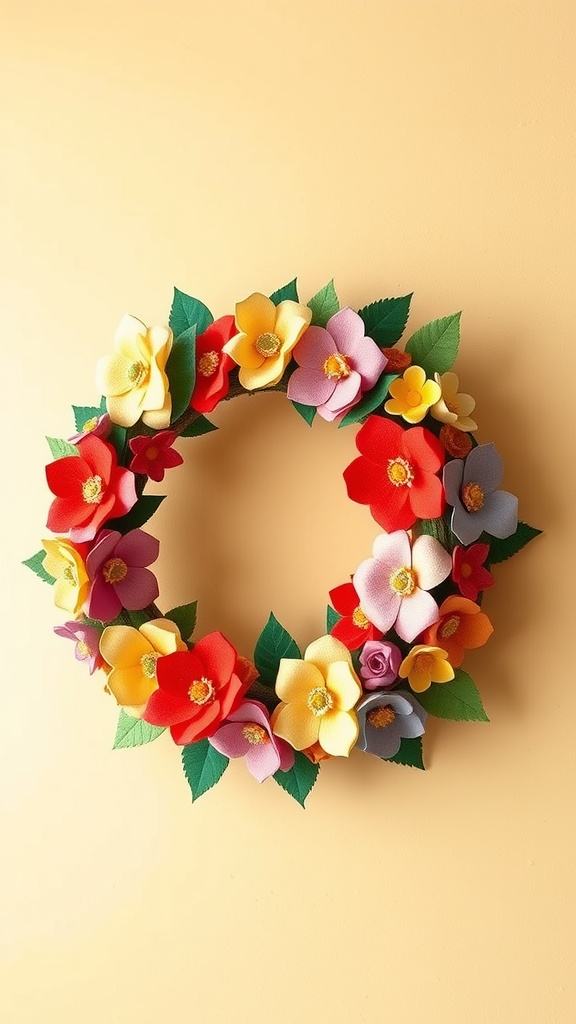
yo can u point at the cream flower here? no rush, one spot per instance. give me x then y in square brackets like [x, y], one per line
[132, 654]
[412, 395]
[133, 378]
[453, 407]
[266, 336]
[65, 563]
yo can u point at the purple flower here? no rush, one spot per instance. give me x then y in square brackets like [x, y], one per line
[247, 732]
[385, 719]
[380, 661]
[470, 488]
[98, 426]
[336, 365]
[87, 640]
[119, 579]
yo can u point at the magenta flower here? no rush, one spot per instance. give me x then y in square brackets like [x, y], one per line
[87, 640]
[153, 455]
[98, 426]
[379, 664]
[119, 579]
[393, 585]
[247, 732]
[336, 365]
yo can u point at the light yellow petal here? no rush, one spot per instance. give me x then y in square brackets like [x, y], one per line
[324, 651]
[441, 412]
[155, 388]
[112, 374]
[242, 351]
[255, 315]
[465, 404]
[296, 724]
[130, 686]
[129, 331]
[159, 343]
[163, 635]
[342, 682]
[430, 392]
[125, 410]
[466, 423]
[414, 378]
[296, 678]
[123, 647]
[448, 385]
[66, 596]
[263, 377]
[159, 419]
[54, 561]
[292, 319]
[338, 732]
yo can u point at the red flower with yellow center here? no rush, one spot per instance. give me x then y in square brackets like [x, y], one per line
[354, 628]
[461, 626]
[212, 365]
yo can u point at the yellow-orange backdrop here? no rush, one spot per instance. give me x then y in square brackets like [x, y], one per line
[224, 147]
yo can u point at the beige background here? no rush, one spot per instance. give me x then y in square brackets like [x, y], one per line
[224, 147]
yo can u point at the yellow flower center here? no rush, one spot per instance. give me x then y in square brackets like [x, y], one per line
[201, 691]
[319, 700]
[337, 366]
[359, 619]
[403, 581]
[208, 364]
[413, 398]
[92, 490]
[472, 497]
[255, 734]
[83, 649]
[465, 570]
[137, 373]
[449, 627]
[400, 472]
[268, 344]
[381, 717]
[148, 664]
[152, 453]
[69, 574]
[114, 570]
[90, 424]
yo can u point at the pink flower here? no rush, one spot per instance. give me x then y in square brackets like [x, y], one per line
[393, 585]
[247, 733]
[119, 579]
[153, 455]
[336, 365]
[87, 640]
[379, 664]
[98, 426]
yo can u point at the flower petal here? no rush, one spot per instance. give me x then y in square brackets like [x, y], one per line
[416, 613]
[138, 588]
[130, 686]
[123, 646]
[431, 562]
[452, 477]
[138, 548]
[338, 732]
[262, 760]
[324, 651]
[484, 466]
[255, 315]
[314, 347]
[217, 655]
[347, 329]
[377, 599]
[342, 682]
[292, 319]
[163, 635]
[296, 724]
[309, 386]
[346, 392]
[380, 439]
[229, 740]
[296, 678]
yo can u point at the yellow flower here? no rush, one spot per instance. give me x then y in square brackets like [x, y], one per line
[412, 395]
[318, 695]
[65, 563]
[425, 665]
[453, 407]
[132, 655]
[267, 335]
[133, 378]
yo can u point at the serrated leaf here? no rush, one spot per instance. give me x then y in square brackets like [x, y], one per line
[410, 753]
[273, 644]
[181, 371]
[60, 448]
[133, 732]
[299, 779]
[385, 319]
[323, 305]
[184, 616]
[370, 401]
[84, 413]
[457, 700]
[440, 529]
[332, 617]
[435, 346]
[203, 766]
[188, 312]
[307, 412]
[199, 426]
[36, 563]
[139, 514]
[500, 550]
[288, 291]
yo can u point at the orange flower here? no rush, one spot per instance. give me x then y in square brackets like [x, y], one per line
[461, 627]
[456, 442]
[315, 753]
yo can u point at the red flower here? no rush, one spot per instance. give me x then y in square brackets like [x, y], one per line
[468, 570]
[197, 689]
[396, 473]
[90, 488]
[212, 365]
[153, 455]
[353, 629]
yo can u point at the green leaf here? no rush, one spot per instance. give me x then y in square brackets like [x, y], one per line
[410, 753]
[435, 346]
[133, 732]
[36, 563]
[458, 700]
[185, 618]
[332, 617]
[299, 779]
[117, 438]
[84, 413]
[307, 412]
[440, 529]
[273, 644]
[323, 305]
[385, 319]
[289, 291]
[139, 514]
[198, 427]
[500, 550]
[203, 766]
[370, 401]
[60, 448]
[181, 371]
[188, 312]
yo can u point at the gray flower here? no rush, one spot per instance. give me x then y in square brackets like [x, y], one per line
[470, 487]
[385, 719]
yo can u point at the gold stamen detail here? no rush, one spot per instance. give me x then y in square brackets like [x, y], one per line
[148, 663]
[137, 372]
[92, 490]
[201, 691]
[255, 734]
[449, 627]
[381, 717]
[268, 344]
[114, 570]
[400, 472]
[208, 364]
[403, 581]
[319, 700]
[359, 618]
[472, 497]
[337, 366]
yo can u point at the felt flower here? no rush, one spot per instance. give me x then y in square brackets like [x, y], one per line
[118, 575]
[133, 378]
[132, 655]
[153, 455]
[318, 695]
[90, 487]
[353, 629]
[247, 732]
[336, 365]
[396, 474]
[397, 358]
[385, 719]
[265, 339]
[379, 664]
[393, 585]
[469, 571]
[425, 665]
[212, 365]
[86, 639]
[453, 407]
[461, 626]
[197, 690]
[316, 754]
[65, 562]
[412, 395]
[98, 426]
[470, 488]
[456, 442]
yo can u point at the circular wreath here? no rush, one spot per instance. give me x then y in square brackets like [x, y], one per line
[396, 633]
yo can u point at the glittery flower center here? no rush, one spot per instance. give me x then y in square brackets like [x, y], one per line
[400, 472]
[337, 366]
[90, 425]
[472, 497]
[137, 372]
[319, 700]
[403, 581]
[201, 691]
[268, 344]
[208, 364]
[413, 398]
[148, 663]
[359, 618]
[449, 627]
[255, 734]
[379, 718]
[92, 490]
[114, 570]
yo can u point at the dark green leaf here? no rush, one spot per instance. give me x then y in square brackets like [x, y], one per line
[298, 781]
[36, 563]
[84, 413]
[458, 700]
[500, 550]
[203, 766]
[117, 438]
[289, 291]
[185, 618]
[188, 312]
[323, 305]
[133, 732]
[370, 401]
[332, 617]
[435, 346]
[385, 319]
[410, 753]
[273, 644]
[61, 449]
[139, 514]
[181, 371]
[198, 427]
[438, 528]
[307, 412]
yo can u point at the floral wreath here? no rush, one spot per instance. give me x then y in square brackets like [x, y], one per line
[396, 633]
